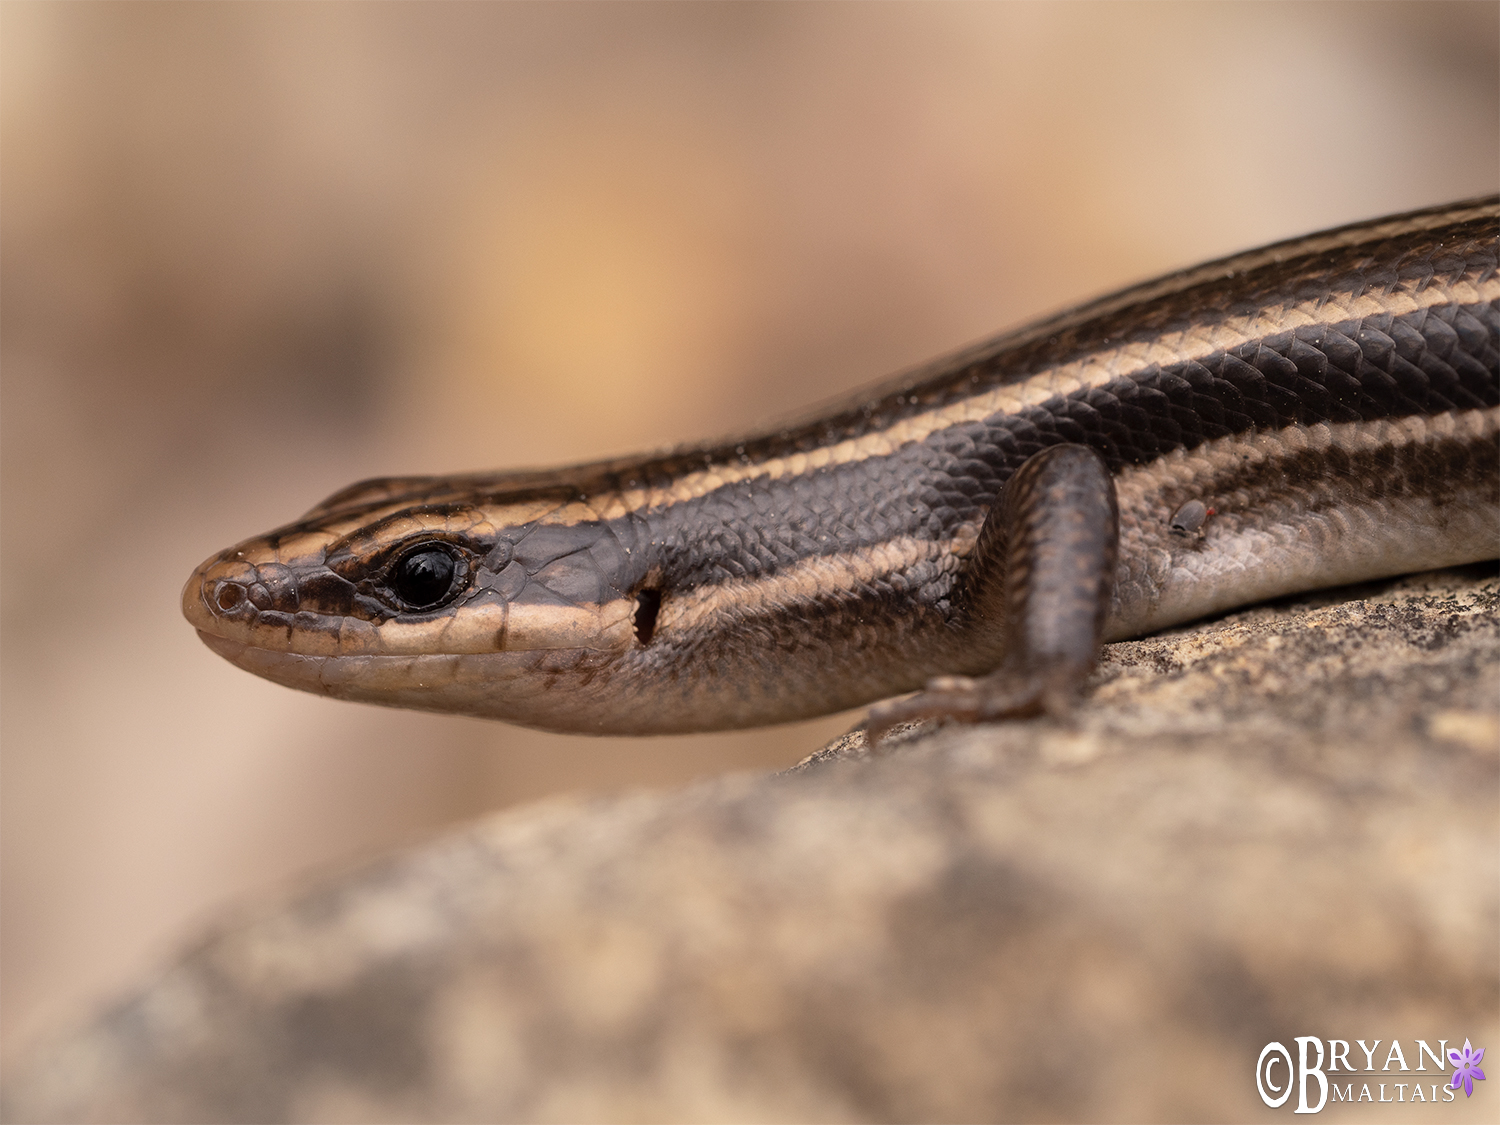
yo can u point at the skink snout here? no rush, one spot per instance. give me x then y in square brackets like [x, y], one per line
[225, 593]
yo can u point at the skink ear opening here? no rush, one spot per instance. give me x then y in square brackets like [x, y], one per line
[647, 606]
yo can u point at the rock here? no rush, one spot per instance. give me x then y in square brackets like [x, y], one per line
[1282, 823]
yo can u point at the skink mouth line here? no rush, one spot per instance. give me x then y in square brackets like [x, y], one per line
[493, 626]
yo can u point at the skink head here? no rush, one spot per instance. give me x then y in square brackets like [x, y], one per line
[401, 592]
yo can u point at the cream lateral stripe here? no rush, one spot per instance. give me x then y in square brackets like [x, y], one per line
[1263, 527]
[1283, 251]
[1217, 464]
[810, 579]
[1040, 387]
[1094, 370]
[484, 628]
[1180, 470]
[1210, 271]
[984, 351]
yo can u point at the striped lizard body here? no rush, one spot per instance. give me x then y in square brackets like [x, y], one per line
[1322, 411]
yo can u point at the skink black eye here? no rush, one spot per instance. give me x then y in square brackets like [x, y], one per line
[423, 578]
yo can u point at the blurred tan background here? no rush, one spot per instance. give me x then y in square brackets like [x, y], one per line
[253, 253]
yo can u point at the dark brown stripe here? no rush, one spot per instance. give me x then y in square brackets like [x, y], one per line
[1298, 270]
[1435, 468]
[1428, 362]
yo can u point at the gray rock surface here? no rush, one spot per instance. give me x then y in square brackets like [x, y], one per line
[1281, 823]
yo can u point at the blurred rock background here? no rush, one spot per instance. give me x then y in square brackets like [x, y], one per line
[249, 254]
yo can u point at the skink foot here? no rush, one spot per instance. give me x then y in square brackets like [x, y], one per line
[1005, 694]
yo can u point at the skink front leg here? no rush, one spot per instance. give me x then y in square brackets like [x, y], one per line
[1040, 576]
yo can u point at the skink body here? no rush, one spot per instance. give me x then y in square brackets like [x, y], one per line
[1318, 412]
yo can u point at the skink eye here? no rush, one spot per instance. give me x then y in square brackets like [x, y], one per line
[423, 578]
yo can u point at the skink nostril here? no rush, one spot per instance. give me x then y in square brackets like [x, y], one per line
[229, 596]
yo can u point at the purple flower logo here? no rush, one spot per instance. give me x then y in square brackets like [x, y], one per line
[1467, 1062]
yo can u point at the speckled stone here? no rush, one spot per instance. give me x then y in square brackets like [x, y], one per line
[1285, 822]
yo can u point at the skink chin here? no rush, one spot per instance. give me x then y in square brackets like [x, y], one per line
[1319, 412]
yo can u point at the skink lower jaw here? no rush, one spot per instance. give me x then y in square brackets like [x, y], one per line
[290, 669]
[225, 647]
[244, 655]
[567, 692]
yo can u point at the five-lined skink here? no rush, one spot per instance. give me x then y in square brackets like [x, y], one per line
[1318, 412]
